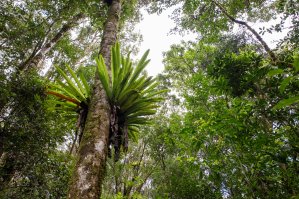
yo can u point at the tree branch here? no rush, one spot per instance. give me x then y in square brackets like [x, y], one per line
[259, 38]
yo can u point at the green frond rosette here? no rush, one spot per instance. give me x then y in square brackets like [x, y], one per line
[76, 96]
[128, 90]
[73, 93]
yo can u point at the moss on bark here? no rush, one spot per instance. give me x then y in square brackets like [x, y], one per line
[89, 170]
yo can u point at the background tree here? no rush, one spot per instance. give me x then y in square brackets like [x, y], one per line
[31, 167]
[230, 129]
[236, 126]
[67, 48]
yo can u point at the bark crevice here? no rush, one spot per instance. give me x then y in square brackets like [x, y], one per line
[88, 172]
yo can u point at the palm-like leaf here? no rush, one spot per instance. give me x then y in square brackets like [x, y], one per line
[131, 96]
[76, 95]
[71, 89]
[128, 88]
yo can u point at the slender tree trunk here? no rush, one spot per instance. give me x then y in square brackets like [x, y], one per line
[128, 189]
[33, 61]
[88, 48]
[52, 68]
[88, 172]
[7, 170]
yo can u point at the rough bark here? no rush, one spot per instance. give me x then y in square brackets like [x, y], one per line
[33, 61]
[88, 172]
[110, 32]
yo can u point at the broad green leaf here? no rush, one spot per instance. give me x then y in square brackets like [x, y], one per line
[284, 83]
[132, 136]
[65, 92]
[103, 75]
[141, 65]
[86, 86]
[76, 90]
[296, 63]
[66, 87]
[286, 102]
[275, 72]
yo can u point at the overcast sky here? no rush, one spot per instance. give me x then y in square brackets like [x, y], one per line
[155, 28]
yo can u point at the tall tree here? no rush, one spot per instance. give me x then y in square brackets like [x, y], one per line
[40, 51]
[89, 170]
[29, 37]
[239, 113]
[31, 166]
[210, 18]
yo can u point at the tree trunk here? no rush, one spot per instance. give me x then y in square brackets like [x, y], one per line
[88, 172]
[33, 61]
[49, 74]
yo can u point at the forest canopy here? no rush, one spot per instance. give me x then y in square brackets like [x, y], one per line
[80, 118]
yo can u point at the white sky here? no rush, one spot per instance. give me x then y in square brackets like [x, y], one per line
[155, 28]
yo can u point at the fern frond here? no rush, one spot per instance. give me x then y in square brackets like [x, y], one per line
[63, 97]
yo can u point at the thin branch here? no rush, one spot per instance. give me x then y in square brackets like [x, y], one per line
[259, 38]
[34, 59]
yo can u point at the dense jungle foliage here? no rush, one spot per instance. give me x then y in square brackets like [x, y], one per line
[226, 128]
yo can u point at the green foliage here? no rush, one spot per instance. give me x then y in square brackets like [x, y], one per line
[286, 102]
[78, 93]
[289, 13]
[275, 72]
[74, 100]
[291, 77]
[208, 20]
[234, 135]
[131, 94]
[131, 97]
[240, 72]
[241, 143]
[30, 135]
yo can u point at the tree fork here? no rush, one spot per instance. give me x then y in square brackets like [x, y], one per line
[88, 172]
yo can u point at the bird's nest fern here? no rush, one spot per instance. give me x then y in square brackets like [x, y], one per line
[74, 100]
[132, 98]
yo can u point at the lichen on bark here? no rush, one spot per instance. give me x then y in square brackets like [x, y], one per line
[88, 172]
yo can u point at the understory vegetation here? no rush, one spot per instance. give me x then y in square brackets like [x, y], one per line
[79, 118]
